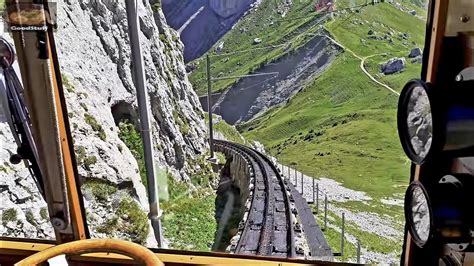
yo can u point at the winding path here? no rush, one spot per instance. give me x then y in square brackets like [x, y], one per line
[362, 59]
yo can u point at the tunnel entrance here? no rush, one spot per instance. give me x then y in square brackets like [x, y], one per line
[123, 111]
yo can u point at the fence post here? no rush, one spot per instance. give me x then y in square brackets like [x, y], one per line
[314, 198]
[342, 235]
[289, 177]
[358, 251]
[296, 180]
[317, 197]
[325, 212]
[302, 184]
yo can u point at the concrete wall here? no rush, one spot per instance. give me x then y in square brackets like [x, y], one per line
[239, 170]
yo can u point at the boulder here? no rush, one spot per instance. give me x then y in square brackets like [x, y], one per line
[412, 12]
[417, 60]
[219, 47]
[392, 66]
[415, 52]
[257, 41]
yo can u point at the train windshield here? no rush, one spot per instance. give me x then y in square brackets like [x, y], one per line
[254, 127]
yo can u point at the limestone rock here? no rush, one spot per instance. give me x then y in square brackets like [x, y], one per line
[415, 52]
[392, 66]
[257, 41]
[94, 55]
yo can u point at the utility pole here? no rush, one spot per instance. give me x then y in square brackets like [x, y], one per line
[142, 98]
[209, 107]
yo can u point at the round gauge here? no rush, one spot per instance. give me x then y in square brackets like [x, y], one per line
[418, 213]
[415, 121]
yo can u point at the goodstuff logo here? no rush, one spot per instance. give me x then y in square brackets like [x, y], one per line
[28, 16]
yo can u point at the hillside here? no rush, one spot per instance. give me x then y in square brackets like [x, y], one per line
[341, 125]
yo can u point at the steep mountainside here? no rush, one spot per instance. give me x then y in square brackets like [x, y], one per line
[202, 23]
[94, 55]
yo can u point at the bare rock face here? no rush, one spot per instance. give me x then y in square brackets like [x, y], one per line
[94, 55]
[227, 8]
[201, 23]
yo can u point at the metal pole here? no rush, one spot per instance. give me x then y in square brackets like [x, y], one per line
[314, 198]
[142, 98]
[209, 106]
[358, 251]
[325, 212]
[342, 235]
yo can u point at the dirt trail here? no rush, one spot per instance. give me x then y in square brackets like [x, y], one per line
[362, 59]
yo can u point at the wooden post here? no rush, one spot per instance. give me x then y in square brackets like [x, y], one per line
[325, 212]
[317, 197]
[296, 180]
[302, 184]
[342, 235]
[289, 177]
[358, 251]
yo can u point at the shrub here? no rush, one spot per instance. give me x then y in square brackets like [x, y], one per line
[9, 215]
[66, 83]
[30, 218]
[101, 190]
[138, 228]
[156, 6]
[44, 213]
[90, 160]
[132, 139]
[109, 227]
[95, 126]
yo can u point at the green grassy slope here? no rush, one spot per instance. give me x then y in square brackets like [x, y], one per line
[343, 126]
[264, 23]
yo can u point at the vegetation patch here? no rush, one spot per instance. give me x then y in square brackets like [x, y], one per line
[9, 215]
[101, 190]
[135, 220]
[67, 84]
[110, 227]
[189, 222]
[44, 213]
[132, 139]
[95, 126]
[229, 132]
[182, 122]
[30, 218]
[83, 158]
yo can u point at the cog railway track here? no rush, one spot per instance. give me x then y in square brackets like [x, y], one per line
[269, 227]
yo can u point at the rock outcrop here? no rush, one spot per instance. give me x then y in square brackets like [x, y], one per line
[415, 52]
[393, 66]
[94, 55]
[202, 23]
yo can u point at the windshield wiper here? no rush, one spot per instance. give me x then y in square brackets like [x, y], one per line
[12, 96]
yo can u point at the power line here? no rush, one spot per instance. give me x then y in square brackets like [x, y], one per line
[327, 12]
[246, 76]
[289, 42]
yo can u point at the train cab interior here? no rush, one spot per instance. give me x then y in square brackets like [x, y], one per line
[435, 121]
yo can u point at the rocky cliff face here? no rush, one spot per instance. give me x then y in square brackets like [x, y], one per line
[202, 23]
[94, 55]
